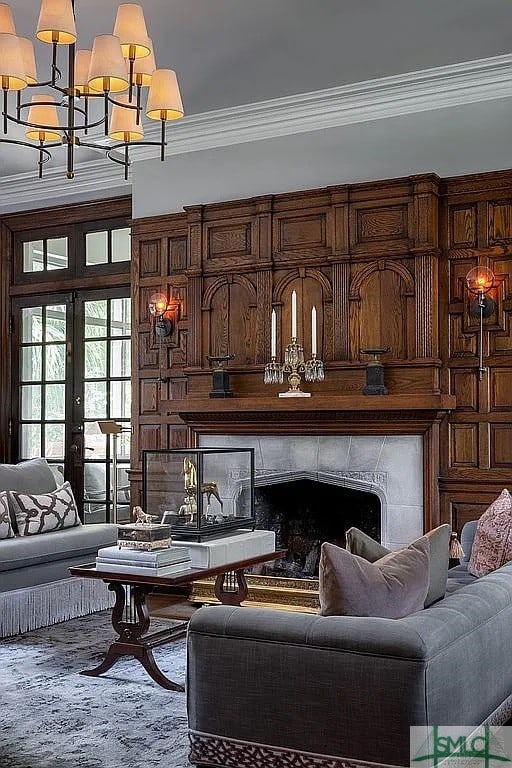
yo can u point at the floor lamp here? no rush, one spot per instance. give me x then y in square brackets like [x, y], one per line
[111, 427]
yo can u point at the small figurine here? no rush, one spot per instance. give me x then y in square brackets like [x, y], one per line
[143, 517]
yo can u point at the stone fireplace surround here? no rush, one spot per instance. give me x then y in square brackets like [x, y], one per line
[390, 466]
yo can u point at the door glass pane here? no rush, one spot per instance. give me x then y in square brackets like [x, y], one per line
[55, 323]
[31, 363]
[121, 317]
[95, 359]
[96, 248]
[32, 324]
[55, 363]
[30, 441]
[120, 399]
[95, 399]
[120, 358]
[121, 244]
[33, 256]
[55, 401]
[95, 319]
[95, 442]
[31, 402]
[54, 441]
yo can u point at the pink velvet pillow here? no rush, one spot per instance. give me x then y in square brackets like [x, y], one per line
[492, 546]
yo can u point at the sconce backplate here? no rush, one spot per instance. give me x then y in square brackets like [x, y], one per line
[487, 305]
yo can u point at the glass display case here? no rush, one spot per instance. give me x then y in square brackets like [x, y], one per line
[202, 492]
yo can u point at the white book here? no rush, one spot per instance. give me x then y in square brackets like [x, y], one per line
[229, 549]
[142, 563]
[139, 570]
[144, 557]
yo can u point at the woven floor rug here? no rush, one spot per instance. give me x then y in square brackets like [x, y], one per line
[53, 717]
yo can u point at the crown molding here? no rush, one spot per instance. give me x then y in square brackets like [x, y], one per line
[378, 99]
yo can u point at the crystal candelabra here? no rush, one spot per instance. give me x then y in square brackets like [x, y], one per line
[294, 365]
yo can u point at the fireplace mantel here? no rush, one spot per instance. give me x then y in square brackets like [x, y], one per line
[325, 414]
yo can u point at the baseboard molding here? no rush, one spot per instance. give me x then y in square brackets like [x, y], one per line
[22, 610]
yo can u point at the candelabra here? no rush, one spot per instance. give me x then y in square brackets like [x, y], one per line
[294, 365]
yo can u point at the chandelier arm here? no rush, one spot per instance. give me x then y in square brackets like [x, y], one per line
[64, 128]
[43, 150]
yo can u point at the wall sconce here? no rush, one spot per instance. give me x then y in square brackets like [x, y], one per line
[479, 282]
[165, 314]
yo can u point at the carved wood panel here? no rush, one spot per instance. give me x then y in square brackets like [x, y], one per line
[462, 231]
[500, 222]
[464, 385]
[177, 247]
[501, 389]
[464, 445]
[501, 445]
[150, 257]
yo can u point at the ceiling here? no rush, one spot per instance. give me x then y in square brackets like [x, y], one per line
[229, 53]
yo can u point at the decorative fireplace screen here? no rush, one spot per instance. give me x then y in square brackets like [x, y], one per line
[203, 493]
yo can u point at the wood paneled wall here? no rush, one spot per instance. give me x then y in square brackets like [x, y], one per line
[384, 264]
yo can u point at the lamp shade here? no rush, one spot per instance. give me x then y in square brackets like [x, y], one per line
[82, 66]
[123, 121]
[130, 28]
[480, 280]
[164, 98]
[56, 22]
[12, 69]
[43, 112]
[143, 68]
[29, 59]
[6, 19]
[108, 68]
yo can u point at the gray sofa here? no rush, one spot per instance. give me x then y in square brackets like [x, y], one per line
[36, 588]
[274, 689]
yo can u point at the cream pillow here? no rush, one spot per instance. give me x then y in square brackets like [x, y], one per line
[392, 587]
[492, 545]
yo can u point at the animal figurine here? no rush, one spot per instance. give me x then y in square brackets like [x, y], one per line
[143, 517]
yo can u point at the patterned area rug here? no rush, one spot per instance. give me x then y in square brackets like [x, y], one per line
[52, 717]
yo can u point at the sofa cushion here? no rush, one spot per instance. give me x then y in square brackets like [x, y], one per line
[32, 476]
[81, 541]
[6, 531]
[392, 587]
[359, 543]
[492, 545]
[44, 512]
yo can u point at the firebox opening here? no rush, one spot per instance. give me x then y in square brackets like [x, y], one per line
[304, 513]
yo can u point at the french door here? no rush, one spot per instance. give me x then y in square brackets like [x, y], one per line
[74, 368]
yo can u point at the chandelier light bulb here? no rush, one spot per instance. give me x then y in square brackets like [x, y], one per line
[43, 112]
[12, 68]
[130, 28]
[6, 19]
[108, 68]
[56, 22]
[164, 98]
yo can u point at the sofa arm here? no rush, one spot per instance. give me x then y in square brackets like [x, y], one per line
[349, 686]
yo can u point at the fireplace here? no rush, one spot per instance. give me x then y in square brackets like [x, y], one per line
[388, 467]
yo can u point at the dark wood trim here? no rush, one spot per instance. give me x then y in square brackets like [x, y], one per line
[118, 207]
[5, 369]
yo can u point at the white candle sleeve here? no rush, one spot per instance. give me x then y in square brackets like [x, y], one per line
[273, 335]
[294, 315]
[313, 331]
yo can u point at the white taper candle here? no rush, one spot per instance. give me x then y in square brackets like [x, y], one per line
[273, 335]
[313, 331]
[294, 315]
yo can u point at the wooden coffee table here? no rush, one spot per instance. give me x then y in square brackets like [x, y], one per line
[130, 614]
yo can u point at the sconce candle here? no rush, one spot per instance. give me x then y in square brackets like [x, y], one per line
[313, 331]
[273, 335]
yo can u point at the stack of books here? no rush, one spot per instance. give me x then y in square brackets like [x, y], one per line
[158, 562]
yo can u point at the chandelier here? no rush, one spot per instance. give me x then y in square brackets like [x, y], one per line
[116, 71]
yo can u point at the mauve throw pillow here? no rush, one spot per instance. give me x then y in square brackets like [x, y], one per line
[45, 512]
[6, 531]
[359, 543]
[492, 545]
[393, 587]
